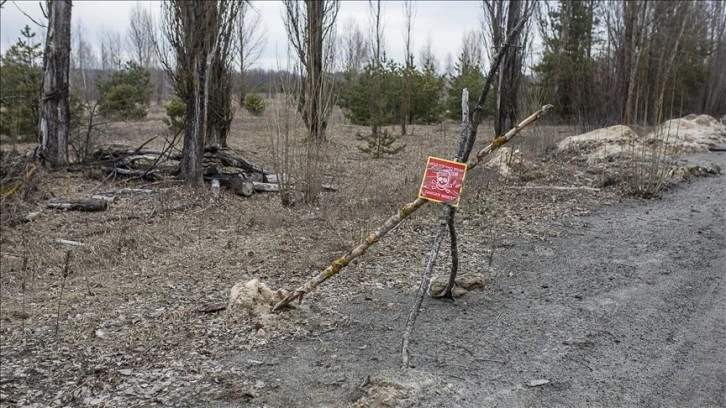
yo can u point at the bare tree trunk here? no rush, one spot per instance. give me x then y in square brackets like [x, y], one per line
[510, 75]
[308, 31]
[250, 41]
[193, 151]
[714, 98]
[53, 126]
[219, 100]
[376, 41]
[408, 11]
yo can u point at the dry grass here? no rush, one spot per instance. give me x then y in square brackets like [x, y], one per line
[150, 261]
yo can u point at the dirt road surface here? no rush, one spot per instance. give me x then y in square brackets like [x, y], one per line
[625, 307]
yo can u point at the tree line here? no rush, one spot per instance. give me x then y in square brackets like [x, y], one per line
[599, 62]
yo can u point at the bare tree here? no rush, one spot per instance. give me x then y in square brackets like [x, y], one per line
[426, 55]
[53, 126]
[109, 45]
[219, 87]
[83, 63]
[500, 16]
[376, 55]
[250, 42]
[714, 95]
[195, 34]
[310, 32]
[472, 52]
[409, 67]
[353, 47]
[140, 36]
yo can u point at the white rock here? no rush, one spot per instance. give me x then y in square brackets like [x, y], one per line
[537, 383]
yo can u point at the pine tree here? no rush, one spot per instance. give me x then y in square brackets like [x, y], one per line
[468, 75]
[20, 81]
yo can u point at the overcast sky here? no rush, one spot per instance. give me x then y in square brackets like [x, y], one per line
[444, 22]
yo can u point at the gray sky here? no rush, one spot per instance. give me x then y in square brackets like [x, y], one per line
[443, 21]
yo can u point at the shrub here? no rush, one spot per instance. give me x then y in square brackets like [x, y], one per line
[379, 144]
[254, 104]
[175, 111]
[123, 95]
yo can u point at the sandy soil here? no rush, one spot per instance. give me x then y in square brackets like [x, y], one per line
[589, 298]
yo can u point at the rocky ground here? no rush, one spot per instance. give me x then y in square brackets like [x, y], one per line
[582, 294]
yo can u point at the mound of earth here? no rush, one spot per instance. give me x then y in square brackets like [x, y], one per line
[600, 145]
[254, 297]
[503, 159]
[690, 134]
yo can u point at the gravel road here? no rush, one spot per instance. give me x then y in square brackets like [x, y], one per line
[625, 307]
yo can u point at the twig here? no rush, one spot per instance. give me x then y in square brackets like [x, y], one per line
[68, 242]
[423, 286]
[23, 288]
[565, 188]
[28, 15]
[66, 273]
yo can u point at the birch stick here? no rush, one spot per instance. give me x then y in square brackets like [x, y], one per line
[343, 261]
[501, 140]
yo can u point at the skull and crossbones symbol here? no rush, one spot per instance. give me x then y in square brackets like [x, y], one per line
[443, 180]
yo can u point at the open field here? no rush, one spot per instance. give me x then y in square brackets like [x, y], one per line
[612, 300]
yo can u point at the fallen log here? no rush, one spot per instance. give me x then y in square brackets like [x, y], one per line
[90, 205]
[150, 175]
[266, 187]
[227, 158]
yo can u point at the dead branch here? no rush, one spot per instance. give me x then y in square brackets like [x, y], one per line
[501, 140]
[564, 188]
[142, 174]
[343, 261]
[69, 242]
[90, 205]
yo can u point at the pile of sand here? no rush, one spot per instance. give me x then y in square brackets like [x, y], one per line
[693, 133]
[690, 134]
[254, 297]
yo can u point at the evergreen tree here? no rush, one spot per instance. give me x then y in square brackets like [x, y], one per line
[21, 75]
[123, 95]
[566, 64]
[427, 87]
[467, 75]
[361, 97]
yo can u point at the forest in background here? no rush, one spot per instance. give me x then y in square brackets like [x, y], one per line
[598, 62]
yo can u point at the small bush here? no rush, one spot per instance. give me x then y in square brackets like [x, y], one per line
[378, 145]
[175, 111]
[254, 104]
[120, 102]
[123, 95]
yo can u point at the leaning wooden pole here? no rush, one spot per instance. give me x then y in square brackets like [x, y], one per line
[396, 219]
[447, 218]
[343, 261]
[501, 140]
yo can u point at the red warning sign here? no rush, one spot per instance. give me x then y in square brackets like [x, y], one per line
[442, 181]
